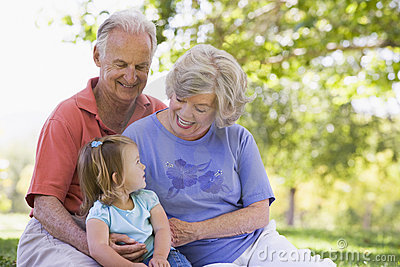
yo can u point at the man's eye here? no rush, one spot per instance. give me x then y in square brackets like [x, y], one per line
[142, 67]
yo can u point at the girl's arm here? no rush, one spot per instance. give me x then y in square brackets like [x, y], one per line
[245, 220]
[162, 236]
[97, 233]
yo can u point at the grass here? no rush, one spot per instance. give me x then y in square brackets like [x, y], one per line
[8, 252]
[11, 228]
[349, 248]
[346, 248]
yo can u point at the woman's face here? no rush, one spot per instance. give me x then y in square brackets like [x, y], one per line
[190, 118]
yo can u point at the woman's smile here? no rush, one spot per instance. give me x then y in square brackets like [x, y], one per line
[190, 118]
[183, 123]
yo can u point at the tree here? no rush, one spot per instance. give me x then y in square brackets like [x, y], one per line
[16, 163]
[311, 65]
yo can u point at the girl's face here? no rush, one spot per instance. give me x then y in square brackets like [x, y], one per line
[190, 118]
[133, 169]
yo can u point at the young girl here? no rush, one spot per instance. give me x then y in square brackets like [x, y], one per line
[112, 181]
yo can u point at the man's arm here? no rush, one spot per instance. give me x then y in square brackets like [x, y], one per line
[59, 223]
[50, 212]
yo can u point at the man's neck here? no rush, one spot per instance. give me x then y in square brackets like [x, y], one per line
[114, 113]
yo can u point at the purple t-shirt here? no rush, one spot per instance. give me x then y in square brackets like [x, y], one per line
[202, 179]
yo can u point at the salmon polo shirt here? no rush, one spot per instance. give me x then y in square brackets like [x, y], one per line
[73, 123]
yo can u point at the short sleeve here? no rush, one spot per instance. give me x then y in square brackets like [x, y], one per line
[99, 211]
[252, 173]
[56, 158]
[148, 198]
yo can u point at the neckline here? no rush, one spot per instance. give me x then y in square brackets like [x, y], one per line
[129, 211]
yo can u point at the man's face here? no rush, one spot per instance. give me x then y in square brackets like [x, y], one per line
[124, 66]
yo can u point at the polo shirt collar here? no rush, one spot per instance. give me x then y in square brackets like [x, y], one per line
[85, 100]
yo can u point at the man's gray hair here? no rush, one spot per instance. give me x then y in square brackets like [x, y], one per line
[205, 69]
[130, 21]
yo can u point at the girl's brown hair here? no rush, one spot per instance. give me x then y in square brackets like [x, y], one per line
[97, 162]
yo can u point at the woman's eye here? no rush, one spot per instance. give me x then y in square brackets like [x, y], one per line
[200, 110]
[179, 100]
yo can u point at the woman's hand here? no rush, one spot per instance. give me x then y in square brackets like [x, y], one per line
[182, 232]
[244, 220]
[158, 262]
[130, 250]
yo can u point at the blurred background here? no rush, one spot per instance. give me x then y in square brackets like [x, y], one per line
[325, 73]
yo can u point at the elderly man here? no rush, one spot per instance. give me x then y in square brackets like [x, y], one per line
[126, 42]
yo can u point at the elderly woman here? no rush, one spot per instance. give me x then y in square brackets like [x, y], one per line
[207, 170]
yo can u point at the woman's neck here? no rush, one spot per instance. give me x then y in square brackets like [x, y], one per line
[162, 117]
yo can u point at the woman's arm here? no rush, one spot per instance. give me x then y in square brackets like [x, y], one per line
[245, 220]
[162, 236]
[98, 241]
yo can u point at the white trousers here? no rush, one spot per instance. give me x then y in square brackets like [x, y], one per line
[38, 248]
[273, 249]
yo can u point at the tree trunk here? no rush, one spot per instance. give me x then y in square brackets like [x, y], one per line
[367, 217]
[290, 212]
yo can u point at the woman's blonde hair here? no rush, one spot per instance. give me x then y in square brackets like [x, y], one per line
[205, 69]
[97, 162]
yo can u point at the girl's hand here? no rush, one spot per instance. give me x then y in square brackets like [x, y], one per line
[158, 262]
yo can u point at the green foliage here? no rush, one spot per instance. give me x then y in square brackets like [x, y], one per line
[349, 248]
[17, 176]
[5, 203]
[8, 254]
[308, 63]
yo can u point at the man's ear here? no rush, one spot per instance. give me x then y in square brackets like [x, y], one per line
[114, 177]
[96, 56]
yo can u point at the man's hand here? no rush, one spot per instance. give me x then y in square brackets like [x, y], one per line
[181, 232]
[130, 250]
